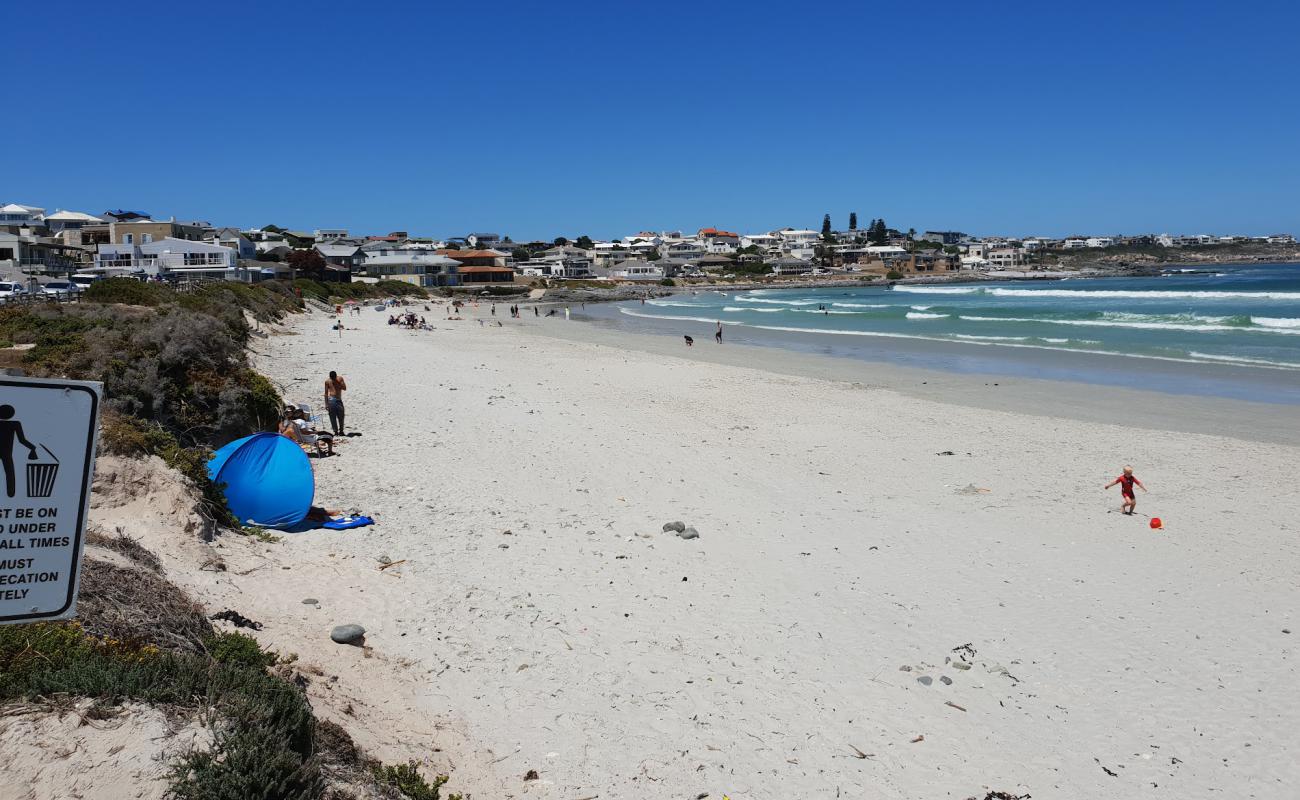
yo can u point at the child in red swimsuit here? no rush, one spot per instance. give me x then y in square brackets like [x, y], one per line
[1126, 483]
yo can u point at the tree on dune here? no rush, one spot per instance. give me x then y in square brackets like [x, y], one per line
[853, 220]
[826, 227]
[560, 241]
[584, 242]
[306, 262]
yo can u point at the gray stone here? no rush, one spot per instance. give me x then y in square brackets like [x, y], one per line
[348, 634]
[311, 601]
[905, 668]
[925, 680]
[674, 526]
[945, 680]
[961, 665]
[689, 533]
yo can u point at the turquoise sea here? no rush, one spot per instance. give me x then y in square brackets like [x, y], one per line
[1112, 330]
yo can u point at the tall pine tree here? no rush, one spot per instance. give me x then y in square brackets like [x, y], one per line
[853, 220]
[826, 226]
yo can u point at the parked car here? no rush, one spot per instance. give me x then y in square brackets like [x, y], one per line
[9, 289]
[60, 288]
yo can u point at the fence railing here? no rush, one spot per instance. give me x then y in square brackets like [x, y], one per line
[39, 298]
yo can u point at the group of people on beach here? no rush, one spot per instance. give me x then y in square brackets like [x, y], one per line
[408, 320]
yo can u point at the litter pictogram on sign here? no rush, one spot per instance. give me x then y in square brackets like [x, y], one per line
[48, 430]
[41, 476]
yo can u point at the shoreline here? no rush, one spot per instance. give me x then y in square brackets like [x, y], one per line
[543, 617]
[1041, 397]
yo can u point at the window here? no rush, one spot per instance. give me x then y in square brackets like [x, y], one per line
[146, 238]
[128, 238]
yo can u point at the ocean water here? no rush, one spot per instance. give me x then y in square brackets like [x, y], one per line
[1237, 316]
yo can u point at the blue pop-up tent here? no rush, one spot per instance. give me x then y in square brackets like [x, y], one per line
[268, 480]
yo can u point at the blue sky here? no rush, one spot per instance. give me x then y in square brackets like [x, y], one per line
[545, 119]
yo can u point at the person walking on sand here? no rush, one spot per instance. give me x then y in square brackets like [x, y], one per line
[717, 335]
[1126, 483]
[10, 430]
[335, 386]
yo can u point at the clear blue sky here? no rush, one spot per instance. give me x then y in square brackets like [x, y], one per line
[546, 119]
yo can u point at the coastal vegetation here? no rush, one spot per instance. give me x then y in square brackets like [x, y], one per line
[177, 383]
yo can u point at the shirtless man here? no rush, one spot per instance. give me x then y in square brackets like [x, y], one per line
[335, 386]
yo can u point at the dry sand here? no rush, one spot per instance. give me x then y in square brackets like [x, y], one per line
[860, 616]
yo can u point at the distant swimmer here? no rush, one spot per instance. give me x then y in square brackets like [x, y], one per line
[689, 341]
[1126, 483]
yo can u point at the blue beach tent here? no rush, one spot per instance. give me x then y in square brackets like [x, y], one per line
[268, 480]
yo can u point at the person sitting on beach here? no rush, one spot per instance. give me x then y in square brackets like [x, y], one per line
[319, 514]
[1126, 483]
[295, 428]
[689, 341]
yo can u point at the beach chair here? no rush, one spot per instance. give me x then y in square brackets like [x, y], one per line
[306, 411]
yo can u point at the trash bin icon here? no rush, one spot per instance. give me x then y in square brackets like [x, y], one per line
[41, 475]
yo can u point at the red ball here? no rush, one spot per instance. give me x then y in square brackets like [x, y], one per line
[1156, 524]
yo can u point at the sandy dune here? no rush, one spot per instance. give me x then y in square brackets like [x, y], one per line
[806, 644]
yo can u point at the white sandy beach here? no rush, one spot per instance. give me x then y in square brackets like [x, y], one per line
[541, 620]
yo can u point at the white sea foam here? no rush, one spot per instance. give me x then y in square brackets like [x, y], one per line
[1200, 358]
[1084, 294]
[923, 315]
[709, 320]
[861, 305]
[1254, 362]
[747, 299]
[759, 310]
[975, 338]
[922, 308]
[938, 289]
[1276, 322]
[816, 311]
[1143, 294]
[1153, 325]
[676, 305]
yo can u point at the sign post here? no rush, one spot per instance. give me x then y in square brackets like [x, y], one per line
[48, 430]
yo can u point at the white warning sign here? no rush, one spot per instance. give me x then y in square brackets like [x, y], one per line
[48, 430]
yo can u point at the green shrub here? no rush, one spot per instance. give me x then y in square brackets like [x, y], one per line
[263, 726]
[406, 779]
[238, 649]
[128, 291]
[893, 275]
[667, 282]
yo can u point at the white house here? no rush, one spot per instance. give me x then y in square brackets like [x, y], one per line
[168, 256]
[1281, 238]
[1099, 241]
[636, 270]
[798, 239]
[70, 221]
[763, 241]
[21, 215]
[1074, 243]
